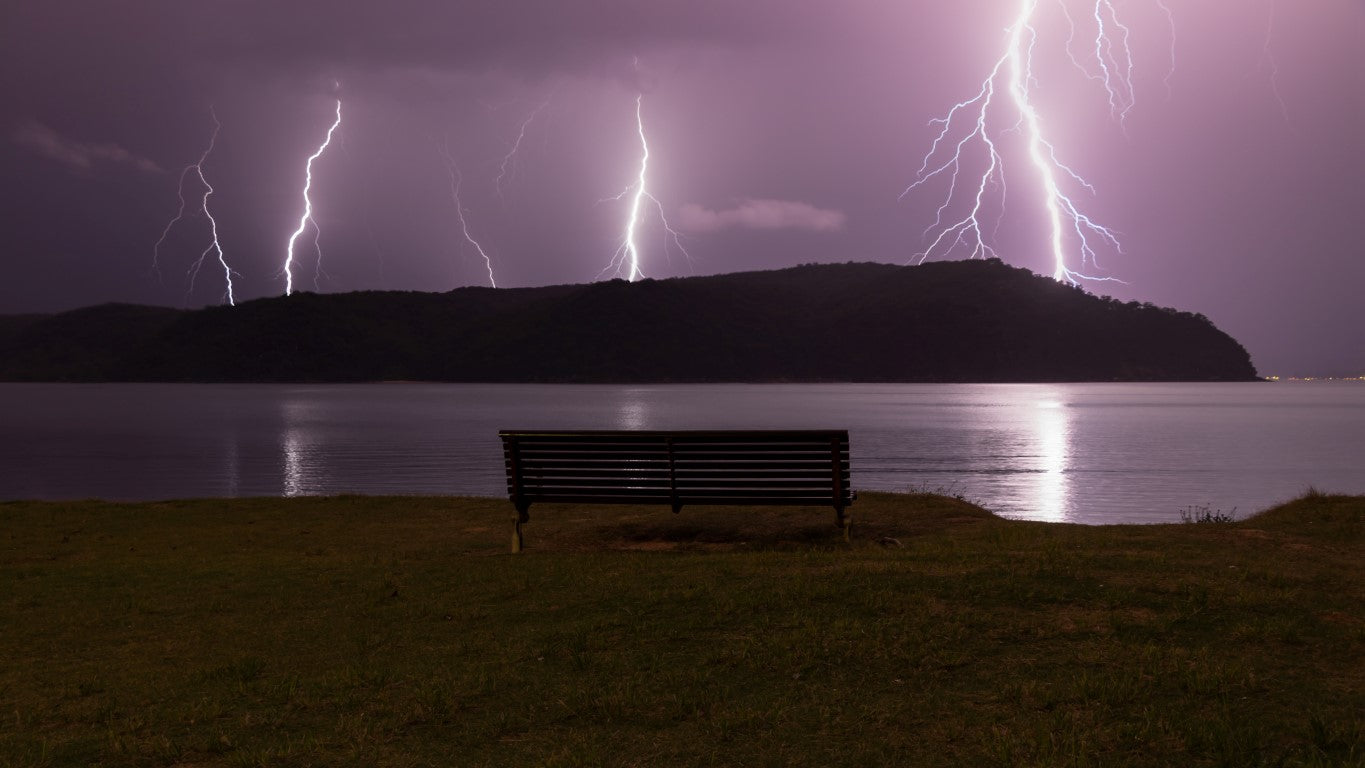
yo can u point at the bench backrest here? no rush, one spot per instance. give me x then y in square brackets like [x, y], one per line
[787, 467]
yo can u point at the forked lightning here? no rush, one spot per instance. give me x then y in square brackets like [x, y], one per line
[307, 217]
[627, 257]
[1004, 109]
[214, 245]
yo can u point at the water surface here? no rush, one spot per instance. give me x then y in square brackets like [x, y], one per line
[1091, 453]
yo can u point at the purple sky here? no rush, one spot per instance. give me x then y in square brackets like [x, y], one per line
[781, 132]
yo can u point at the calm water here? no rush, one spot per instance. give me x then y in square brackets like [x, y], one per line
[1091, 453]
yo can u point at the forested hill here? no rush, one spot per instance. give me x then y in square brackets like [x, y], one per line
[977, 321]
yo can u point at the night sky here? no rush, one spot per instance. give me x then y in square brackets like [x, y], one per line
[781, 132]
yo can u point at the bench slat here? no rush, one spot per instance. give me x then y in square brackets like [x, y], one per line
[690, 486]
[711, 501]
[554, 472]
[824, 468]
[646, 458]
[623, 465]
[730, 496]
[661, 448]
[536, 489]
[692, 465]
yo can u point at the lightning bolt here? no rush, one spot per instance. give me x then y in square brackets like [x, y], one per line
[1115, 58]
[318, 271]
[1269, 60]
[1170, 23]
[456, 181]
[214, 246]
[627, 256]
[969, 135]
[307, 217]
[1111, 55]
[507, 170]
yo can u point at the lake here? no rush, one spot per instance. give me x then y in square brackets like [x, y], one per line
[1087, 453]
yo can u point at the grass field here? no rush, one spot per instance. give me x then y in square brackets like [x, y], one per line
[397, 631]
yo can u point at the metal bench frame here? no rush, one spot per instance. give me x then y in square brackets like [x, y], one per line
[677, 468]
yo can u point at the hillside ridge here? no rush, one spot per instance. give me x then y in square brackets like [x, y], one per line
[967, 321]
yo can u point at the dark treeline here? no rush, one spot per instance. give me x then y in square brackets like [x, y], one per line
[978, 321]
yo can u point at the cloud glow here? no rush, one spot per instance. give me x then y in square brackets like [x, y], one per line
[76, 155]
[762, 213]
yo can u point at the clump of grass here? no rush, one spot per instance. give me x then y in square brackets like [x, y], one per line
[1205, 514]
[1329, 517]
[952, 491]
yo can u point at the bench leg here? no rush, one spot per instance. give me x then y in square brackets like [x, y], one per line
[521, 517]
[844, 521]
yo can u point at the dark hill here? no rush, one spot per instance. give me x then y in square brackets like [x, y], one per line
[949, 321]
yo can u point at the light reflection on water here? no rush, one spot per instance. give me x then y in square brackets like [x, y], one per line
[232, 463]
[1089, 453]
[295, 449]
[1052, 438]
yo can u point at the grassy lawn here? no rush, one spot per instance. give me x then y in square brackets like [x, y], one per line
[397, 631]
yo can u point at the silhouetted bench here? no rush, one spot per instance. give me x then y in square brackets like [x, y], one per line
[787, 468]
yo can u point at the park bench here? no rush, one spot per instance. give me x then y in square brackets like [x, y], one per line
[677, 468]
